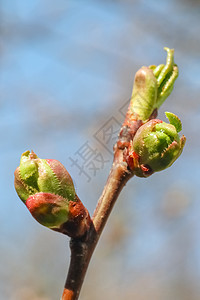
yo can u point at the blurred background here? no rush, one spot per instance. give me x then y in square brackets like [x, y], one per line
[67, 69]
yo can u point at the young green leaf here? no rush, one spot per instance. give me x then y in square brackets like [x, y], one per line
[174, 120]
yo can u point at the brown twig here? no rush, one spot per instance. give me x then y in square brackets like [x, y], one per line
[82, 249]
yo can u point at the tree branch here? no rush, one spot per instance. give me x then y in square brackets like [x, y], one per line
[47, 189]
[82, 249]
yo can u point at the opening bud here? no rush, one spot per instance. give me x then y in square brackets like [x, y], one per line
[152, 85]
[156, 146]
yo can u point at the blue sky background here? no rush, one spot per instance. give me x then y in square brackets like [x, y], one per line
[66, 69]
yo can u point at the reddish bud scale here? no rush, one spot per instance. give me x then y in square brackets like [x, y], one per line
[132, 159]
[53, 211]
[147, 171]
[79, 220]
[48, 209]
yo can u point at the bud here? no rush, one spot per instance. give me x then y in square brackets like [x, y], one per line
[47, 189]
[156, 146]
[152, 85]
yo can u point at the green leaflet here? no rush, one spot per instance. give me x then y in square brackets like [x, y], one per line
[174, 120]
